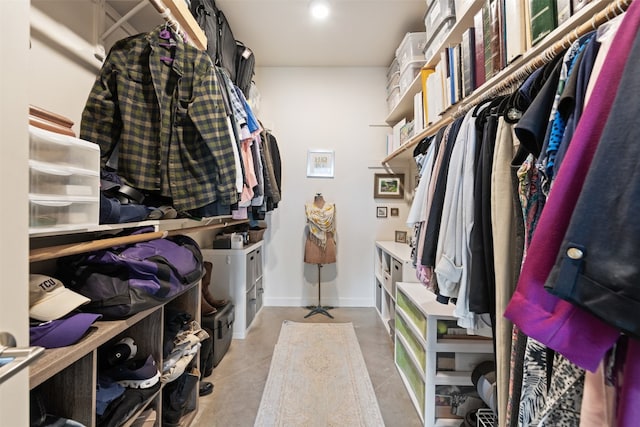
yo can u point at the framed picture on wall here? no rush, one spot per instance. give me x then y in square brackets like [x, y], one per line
[388, 186]
[401, 236]
[320, 164]
[381, 212]
[395, 211]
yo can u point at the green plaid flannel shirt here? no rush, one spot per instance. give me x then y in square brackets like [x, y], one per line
[166, 123]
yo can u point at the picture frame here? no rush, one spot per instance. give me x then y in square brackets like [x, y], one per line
[320, 164]
[401, 236]
[381, 212]
[388, 186]
[395, 211]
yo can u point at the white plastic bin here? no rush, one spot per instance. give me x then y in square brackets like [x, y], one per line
[411, 48]
[62, 213]
[63, 150]
[48, 179]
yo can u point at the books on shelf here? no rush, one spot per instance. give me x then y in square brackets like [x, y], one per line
[479, 48]
[543, 18]
[563, 8]
[467, 52]
[515, 30]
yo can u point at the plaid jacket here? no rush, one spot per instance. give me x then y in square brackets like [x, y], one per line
[167, 123]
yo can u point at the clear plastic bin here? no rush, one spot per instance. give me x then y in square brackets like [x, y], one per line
[411, 48]
[409, 74]
[63, 150]
[435, 42]
[393, 98]
[437, 12]
[52, 180]
[62, 212]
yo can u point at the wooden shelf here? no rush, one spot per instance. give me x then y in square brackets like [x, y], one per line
[55, 360]
[519, 64]
[404, 108]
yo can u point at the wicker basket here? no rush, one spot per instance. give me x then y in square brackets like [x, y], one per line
[256, 235]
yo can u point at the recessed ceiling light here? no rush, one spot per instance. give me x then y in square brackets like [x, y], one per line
[319, 9]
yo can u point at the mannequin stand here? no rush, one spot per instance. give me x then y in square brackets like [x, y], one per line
[318, 309]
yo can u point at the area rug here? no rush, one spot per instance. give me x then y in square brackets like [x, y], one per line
[318, 378]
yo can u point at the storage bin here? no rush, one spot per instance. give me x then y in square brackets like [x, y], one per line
[393, 98]
[393, 81]
[410, 49]
[434, 43]
[409, 73]
[49, 179]
[62, 212]
[221, 323]
[393, 68]
[438, 12]
[63, 150]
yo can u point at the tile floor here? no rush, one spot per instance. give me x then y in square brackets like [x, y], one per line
[240, 377]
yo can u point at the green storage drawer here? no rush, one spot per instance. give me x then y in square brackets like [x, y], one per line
[404, 362]
[413, 313]
[414, 344]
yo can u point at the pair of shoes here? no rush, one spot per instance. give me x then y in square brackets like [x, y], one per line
[120, 352]
[206, 294]
[163, 212]
[136, 373]
[205, 388]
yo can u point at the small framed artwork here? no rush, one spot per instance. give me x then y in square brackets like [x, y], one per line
[395, 211]
[401, 236]
[320, 164]
[388, 186]
[381, 212]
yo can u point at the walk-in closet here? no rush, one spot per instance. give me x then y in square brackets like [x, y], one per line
[319, 213]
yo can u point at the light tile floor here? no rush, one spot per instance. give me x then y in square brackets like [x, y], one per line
[241, 375]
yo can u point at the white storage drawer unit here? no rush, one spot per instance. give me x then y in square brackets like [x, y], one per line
[429, 358]
[392, 265]
[51, 179]
[62, 213]
[237, 275]
[64, 182]
[63, 150]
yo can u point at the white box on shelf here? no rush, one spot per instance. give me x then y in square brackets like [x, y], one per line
[393, 98]
[409, 73]
[438, 14]
[411, 48]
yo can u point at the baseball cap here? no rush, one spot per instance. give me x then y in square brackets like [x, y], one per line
[62, 332]
[50, 300]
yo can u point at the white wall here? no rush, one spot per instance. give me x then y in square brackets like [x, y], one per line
[326, 108]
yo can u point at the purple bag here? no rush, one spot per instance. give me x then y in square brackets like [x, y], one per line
[124, 280]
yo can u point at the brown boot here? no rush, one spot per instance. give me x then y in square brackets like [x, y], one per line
[206, 293]
[206, 309]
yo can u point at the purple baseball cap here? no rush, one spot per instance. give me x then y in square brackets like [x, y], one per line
[62, 332]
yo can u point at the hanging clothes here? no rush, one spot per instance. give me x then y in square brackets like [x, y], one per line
[165, 122]
[584, 339]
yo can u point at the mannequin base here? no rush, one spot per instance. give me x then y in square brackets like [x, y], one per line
[317, 309]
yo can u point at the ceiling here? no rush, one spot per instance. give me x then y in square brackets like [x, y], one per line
[281, 33]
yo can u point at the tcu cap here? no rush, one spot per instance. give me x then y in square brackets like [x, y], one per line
[50, 300]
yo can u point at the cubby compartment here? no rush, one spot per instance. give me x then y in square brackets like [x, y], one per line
[430, 347]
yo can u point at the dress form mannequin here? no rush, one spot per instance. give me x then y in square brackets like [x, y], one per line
[320, 247]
